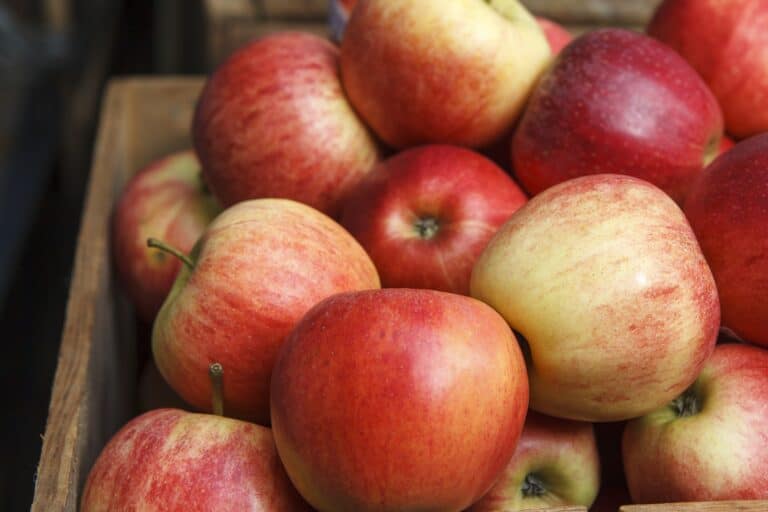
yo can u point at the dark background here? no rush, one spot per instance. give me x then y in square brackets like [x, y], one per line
[53, 68]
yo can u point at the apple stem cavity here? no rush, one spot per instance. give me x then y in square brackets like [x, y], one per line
[216, 373]
[427, 227]
[533, 486]
[686, 404]
[159, 244]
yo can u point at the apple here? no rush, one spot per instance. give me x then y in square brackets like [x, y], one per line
[273, 121]
[604, 279]
[425, 215]
[617, 101]
[556, 463]
[258, 268]
[398, 399]
[166, 199]
[709, 443]
[557, 35]
[727, 43]
[728, 210]
[168, 459]
[441, 72]
[726, 143]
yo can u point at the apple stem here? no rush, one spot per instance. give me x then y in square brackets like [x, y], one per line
[533, 486]
[686, 404]
[158, 244]
[216, 372]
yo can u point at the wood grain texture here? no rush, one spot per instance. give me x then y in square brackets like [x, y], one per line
[95, 382]
[710, 506]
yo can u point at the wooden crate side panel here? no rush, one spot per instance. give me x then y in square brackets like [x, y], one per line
[72, 432]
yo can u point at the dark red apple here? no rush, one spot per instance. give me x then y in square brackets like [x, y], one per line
[173, 460]
[273, 121]
[398, 399]
[167, 200]
[728, 210]
[425, 215]
[617, 101]
[727, 43]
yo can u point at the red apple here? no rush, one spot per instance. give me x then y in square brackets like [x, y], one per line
[616, 101]
[441, 72]
[726, 143]
[258, 268]
[711, 442]
[273, 121]
[556, 463]
[604, 278]
[557, 36]
[426, 214]
[398, 399]
[728, 210]
[173, 460]
[165, 200]
[727, 43]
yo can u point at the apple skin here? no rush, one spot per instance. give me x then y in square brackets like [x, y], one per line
[726, 143]
[425, 215]
[728, 210]
[557, 36]
[556, 457]
[273, 121]
[433, 72]
[727, 43]
[617, 101]
[604, 278]
[172, 460]
[166, 199]
[398, 399]
[259, 267]
[719, 452]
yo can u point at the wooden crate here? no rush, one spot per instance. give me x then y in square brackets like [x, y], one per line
[95, 386]
[232, 23]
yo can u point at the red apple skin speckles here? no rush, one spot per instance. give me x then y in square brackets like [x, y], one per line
[259, 267]
[467, 195]
[727, 43]
[398, 399]
[171, 460]
[616, 101]
[728, 210]
[165, 200]
[273, 121]
[718, 453]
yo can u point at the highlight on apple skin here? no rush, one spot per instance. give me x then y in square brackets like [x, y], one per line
[398, 399]
[604, 278]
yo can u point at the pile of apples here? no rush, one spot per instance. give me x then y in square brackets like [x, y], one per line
[451, 266]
